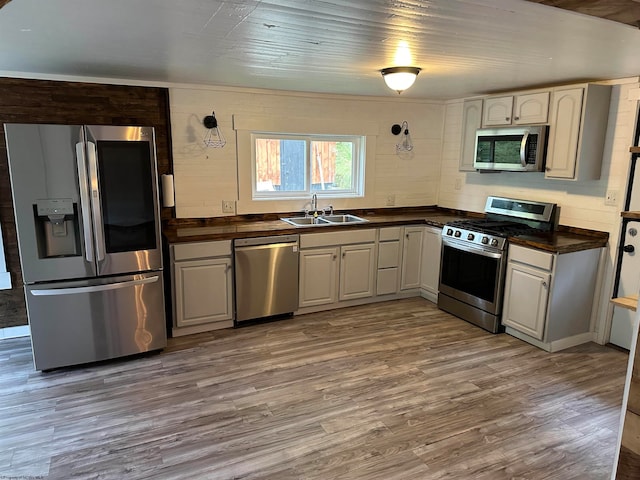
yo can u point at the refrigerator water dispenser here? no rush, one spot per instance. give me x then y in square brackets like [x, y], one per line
[57, 228]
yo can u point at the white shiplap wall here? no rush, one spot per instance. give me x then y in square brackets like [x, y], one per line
[206, 176]
[581, 203]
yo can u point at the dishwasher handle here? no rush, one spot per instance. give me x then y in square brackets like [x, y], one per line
[273, 240]
[268, 246]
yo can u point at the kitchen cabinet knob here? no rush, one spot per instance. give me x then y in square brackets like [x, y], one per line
[629, 248]
[507, 119]
[335, 256]
[544, 284]
[516, 118]
[344, 254]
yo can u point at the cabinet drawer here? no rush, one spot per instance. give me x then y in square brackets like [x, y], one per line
[187, 251]
[390, 233]
[387, 281]
[530, 256]
[388, 254]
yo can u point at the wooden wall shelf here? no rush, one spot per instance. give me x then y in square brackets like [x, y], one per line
[629, 302]
[631, 215]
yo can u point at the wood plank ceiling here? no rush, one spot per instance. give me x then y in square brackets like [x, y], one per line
[464, 47]
[623, 11]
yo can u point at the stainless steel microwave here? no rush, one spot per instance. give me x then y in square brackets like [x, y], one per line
[511, 149]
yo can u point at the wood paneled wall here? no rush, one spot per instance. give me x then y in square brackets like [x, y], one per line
[43, 101]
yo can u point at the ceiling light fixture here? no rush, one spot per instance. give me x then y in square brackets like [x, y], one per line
[399, 78]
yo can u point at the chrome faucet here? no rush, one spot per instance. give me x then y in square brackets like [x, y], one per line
[314, 202]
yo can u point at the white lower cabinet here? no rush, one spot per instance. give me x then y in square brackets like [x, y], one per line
[357, 274]
[337, 266]
[411, 258]
[526, 302]
[318, 276]
[430, 269]
[202, 286]
[548, 297]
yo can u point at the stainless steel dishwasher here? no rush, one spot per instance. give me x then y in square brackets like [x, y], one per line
[266, 276]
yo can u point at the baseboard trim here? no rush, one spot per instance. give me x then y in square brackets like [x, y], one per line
[556, 345]
[15, 332]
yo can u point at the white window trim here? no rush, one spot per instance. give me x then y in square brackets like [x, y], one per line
[357, 168]
[244, 125]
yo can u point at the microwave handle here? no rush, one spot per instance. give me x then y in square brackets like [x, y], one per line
[523, 149]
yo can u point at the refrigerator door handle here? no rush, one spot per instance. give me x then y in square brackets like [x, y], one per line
[85, 201]
[95, 201]
[95, 288]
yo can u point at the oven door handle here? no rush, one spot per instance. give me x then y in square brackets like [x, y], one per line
[471, 248]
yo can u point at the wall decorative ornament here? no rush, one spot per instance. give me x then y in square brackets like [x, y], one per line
[400, 78]
[405, 144]
[213, 138]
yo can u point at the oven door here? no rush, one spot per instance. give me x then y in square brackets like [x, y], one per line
[472, 275]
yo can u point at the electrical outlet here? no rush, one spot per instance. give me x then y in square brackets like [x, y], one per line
[611, 198]
[391, 200]
[228, 206]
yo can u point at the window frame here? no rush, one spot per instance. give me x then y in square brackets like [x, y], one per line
[358, 166]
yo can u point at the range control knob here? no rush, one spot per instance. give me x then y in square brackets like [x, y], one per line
[471, 236]
[494, 243]
[457, 234]
[449, 231]
[485, 240]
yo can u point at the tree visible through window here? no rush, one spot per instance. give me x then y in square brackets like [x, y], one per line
[286, 165]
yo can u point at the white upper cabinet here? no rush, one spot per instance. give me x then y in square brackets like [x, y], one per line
[577, 130]
[523, 109]
[471, 121]
[497, 111]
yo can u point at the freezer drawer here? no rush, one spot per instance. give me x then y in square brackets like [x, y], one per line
[85, 321]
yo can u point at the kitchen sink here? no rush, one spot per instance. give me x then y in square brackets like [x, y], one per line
[306, 221]
[324, 220]
[344, 219]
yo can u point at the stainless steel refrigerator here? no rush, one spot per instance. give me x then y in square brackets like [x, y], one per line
[87, 216]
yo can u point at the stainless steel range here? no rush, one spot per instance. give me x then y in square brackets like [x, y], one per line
[474, 257]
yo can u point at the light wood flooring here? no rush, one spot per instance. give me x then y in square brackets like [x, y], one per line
[397, 390]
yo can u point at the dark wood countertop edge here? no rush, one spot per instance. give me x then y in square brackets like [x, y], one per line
[551, 248]
[386, 217]
[261, 217]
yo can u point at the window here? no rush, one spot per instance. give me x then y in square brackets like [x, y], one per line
[295, 166]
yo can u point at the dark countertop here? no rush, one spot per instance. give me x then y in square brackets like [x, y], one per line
[564, 240]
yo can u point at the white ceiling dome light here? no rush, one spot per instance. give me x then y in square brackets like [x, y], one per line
[399, 78]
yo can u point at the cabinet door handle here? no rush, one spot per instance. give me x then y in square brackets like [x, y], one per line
[507, 119]
[544, 284]
[516, 118]
[335, 256]
[344, 254]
